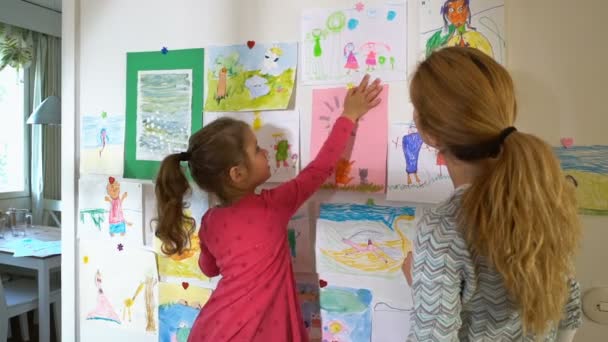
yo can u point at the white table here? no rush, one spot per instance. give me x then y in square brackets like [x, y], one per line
[43, 266]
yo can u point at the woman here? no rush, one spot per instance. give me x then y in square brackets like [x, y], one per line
[494, 261]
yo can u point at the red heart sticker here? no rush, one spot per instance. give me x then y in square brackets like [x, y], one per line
[111, 180]
[567, 142]
[185, 285]
[322, 283]
[250, 44]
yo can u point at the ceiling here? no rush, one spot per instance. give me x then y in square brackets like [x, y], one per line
[54, 5]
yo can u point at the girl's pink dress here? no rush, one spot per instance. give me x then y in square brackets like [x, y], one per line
[247, 244]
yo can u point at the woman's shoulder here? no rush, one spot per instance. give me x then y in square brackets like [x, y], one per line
[442, 220]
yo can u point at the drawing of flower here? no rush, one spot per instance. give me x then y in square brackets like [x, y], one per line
[360, 7]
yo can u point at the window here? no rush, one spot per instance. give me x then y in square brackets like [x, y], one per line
[12, 133]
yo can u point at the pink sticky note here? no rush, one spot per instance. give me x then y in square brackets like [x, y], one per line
[366, 164]
[567, 142]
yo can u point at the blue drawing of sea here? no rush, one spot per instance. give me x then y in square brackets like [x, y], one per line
[92, 134]
[174, 319]
[252, 59]
[362, 212]
[584, 158]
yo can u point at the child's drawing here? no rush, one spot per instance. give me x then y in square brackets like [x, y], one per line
[103, 309]
[362, 167]
[340, 45]
[242, 78]
[416, 171]
[362, 239]
[308, 296]
[110, 209]
[346, 314]
[278, 132]
[299, 235]
[164, 113]
[102, 144]
[390, 324]
[116, 289]
[179, 305]
[183, 266]
[472, 23]
[586, 167]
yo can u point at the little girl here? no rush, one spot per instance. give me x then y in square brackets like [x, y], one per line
[245, 239]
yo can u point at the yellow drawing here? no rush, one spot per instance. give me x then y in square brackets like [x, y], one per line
[150, 305]
[374, 256]
[184, 264]
[129, 302]
[192, 296]
[257, 121]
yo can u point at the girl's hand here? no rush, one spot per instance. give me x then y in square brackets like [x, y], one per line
[359, 100]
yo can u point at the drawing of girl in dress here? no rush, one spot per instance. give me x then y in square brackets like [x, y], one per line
[118, 224]
[351, 60]
[103, 310]
[411, 143]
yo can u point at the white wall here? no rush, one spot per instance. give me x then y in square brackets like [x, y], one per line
[557, 61]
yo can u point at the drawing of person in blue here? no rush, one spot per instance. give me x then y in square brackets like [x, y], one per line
[411, 143]
[103, 139]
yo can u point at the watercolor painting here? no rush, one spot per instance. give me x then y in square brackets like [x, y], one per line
[164, 111]
[179, 305]
[252, 76]
[110, 209]
[117, 289]
[164, 107]
[416, 171]
[362, 167]
[473, 23]
[278, 132]
[341, 45]
[346, 314]
[102, 139]
[587, 168]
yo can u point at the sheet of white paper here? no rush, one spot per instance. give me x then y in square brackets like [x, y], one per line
[340, 45]
[102, 144]
[278, 132]
[484, 29]
[390, 324]
[110, 209]
[118, 290]
[416, 171]
[37, 248]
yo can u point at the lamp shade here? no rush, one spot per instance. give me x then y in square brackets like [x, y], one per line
[47, 113]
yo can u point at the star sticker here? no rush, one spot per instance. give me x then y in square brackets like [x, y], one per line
[350, 85]
[164, 50]
[120, 247]
[359, 7]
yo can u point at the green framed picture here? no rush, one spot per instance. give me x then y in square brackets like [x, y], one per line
[164, 107]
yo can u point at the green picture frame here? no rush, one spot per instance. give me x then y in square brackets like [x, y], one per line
[192, 59]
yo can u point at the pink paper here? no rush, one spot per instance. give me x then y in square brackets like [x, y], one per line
[363, 167]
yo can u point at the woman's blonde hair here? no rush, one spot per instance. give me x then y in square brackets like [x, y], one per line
[520, 213]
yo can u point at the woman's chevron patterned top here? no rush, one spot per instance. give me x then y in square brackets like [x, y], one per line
[460, 298]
